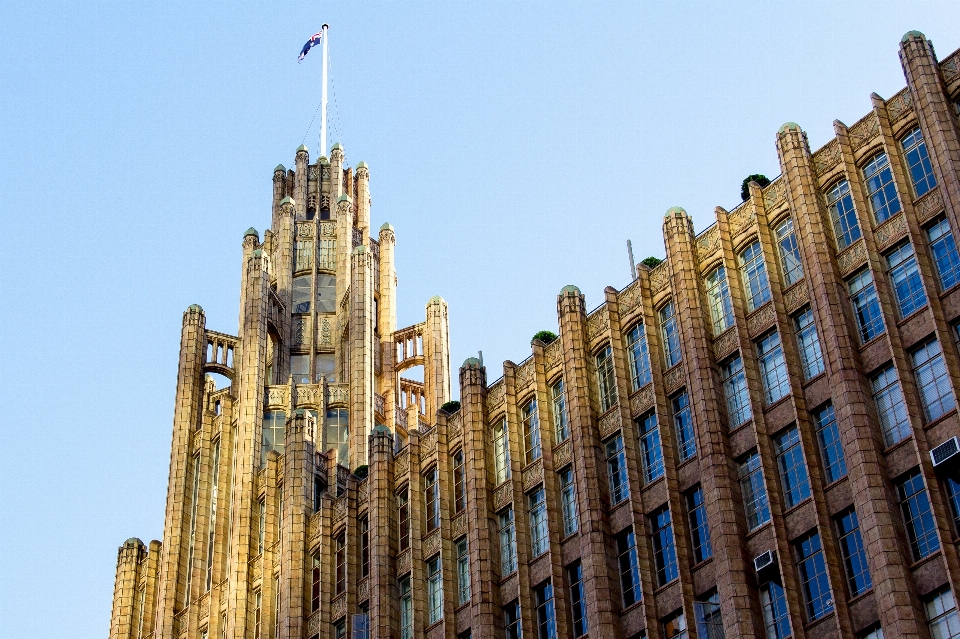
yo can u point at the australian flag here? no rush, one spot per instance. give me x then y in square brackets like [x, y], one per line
[314, 40]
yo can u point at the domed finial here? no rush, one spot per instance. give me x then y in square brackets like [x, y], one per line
[252, 231]
[570, 288]
[912, 34]
[280, 169]
[789, 126]
[676, 211]
[471, 362]
[386, 227]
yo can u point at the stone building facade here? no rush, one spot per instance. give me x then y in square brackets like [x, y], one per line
[737, 444]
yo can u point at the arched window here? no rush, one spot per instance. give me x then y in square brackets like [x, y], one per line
[718, 300]
[881, 191]
[846, 227]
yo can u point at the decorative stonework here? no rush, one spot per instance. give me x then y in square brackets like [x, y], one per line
[551, 354]
[864, 131]
[532, 475]
[339, 509]
[309, 396]
[890, 231]
[708, 243]
[598, 322]
[455, 427]
[950, 68]
[299, 330]
[277, 396]
[313, 624]
[363, 493]
[775, 194]
[495, 395]
[325, 331]
[642, 400]
[431, 543]
[899, 106]
[741, 218]
[659, 278]
[525, 374]
[761, 319]
[563, 454]
[256, 568]
[852, 258]
[630, 298]
[338, 394]
[929, 205]
[401, 464]
[204, 605]
[611, 422]
[313, 526]
[503, 495]
[827, 157]
[674, 378]
[304, 230]
[725, 343]
[459, 525]
[796, 296]
[404, 562]
[338, 607]
[312, 173]
[197, 440]
[429, 444]
[327, 229]
[363, 591]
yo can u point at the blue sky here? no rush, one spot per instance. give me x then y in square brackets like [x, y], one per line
[515, 147]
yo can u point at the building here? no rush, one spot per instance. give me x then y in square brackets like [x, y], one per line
[755, 438]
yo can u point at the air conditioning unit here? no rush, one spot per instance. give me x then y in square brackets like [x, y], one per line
[762, 561]
[947, 450]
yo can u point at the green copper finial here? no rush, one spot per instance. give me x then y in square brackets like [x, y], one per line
[914, 34]
[570, 288]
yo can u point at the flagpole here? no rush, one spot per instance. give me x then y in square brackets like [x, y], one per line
[323, 94]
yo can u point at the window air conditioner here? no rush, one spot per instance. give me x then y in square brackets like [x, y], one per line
[762, 561]
[947, 450]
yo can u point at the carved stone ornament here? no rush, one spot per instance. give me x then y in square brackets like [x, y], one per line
[362, 173]
[761, 319]
[495, 395]
[708, 243]
[401, 464]
[327, 229]
[562, 454]
[864, 131]
[642, 400]
[659, 278]
[197, 440]
[363, 492]
[890, 231]
[852, 258]
[309, 395]
[304, 230]
[929, 205]
[796, 296]
[313, 526]
[455, 427]
[431, 545]
[363, 590]
[345, 209]
[325, 331]
[741, 218]
[205, 605]
[630, 298]
[598, 322]
[429, 444]
[404, 562]
[674, 378]
[277, 396]
[338, 607]
[502, 495]
[313, 624]
[827, 157]
[312, 173]
[533, 474]
[611, 422]
[459, 525]
[256, 568]
[325, 171]
[339, 509]
[338, 394]
[899, 106]
[950, 68]
[775, 194]
[525, 374]
[551, 354]
[725, 343]
[298, 330]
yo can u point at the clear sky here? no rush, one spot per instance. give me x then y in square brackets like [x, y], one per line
[515, 147]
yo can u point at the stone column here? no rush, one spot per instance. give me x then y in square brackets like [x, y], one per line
[186, 418]
[293, 559]
[344, 253]
[300, 183]
[125, 590]
[436, 356]
[383, 540]
[362, 178]
[362, 340]
[278, 177]
[282, 272]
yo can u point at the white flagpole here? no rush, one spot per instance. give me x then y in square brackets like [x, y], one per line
[323, 95]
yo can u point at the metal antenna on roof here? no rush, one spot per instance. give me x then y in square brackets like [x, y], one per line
[633, 265]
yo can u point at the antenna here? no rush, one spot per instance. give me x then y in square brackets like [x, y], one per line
[633, 265]
[324, 30]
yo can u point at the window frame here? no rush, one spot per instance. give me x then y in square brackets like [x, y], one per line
[845, 223]
[639, 356]
[791, 272]
[878, 184]
[720, 305]
[670, 335]
[606, 378]
[753, 270]
[530, 420]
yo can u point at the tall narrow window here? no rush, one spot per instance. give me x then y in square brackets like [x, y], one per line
[512, 623]
[793, 470]
[578, 600]
[846, 227]
[915, 507]
[754, 492]
[434, 591]
[459, 483]
[664, 550]
[341, 563]
[315, 583]
[617, 470]
[301, 293]
[463, 572]
[675, 626]
[508, 542]
[755, 282]
[933, 380]
[546, 618]
[326, 293]
[942, 616]
[629, 567]
[327, 255]
[651, 455]
[501, 451]
[431, 494]
[953, 494]
[808, 343]
[606, 382]
[831, 448]
[736, 392]
[561, 421]
[683, 425]
[718, 300]
[257, 618]
[261, 526]
[303, 249]
[813, 576]
[531, 431]
[854, 556]
[773, 368]
[894, 422]
[277, 614]
[866, 307]
[364, 547]
[790, 263]
[272, 434]
[340, 629]
[670, 335]
[192, 539]
[881, 191]
[215, 482]
[406, 609]
[945, 256]
[403, 518]
[699, 531]
[776, 617]
[568, 499]
[639, 357]
[905, 277]
[707, 614]
[921, 172]
[539, 534]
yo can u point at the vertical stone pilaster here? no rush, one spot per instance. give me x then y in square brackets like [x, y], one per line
[344, 279]
[300, 182]
[125, 602]
[381, 583]
[388, 282]
[362, 178]
[293, 560]
[278, 178]
[436, 352]
[362, 340]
